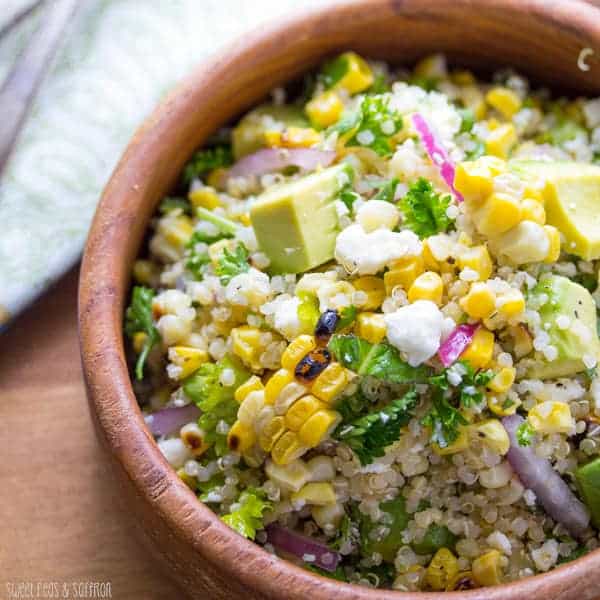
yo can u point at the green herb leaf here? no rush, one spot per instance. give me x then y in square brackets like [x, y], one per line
[379, 86]
[232, 263]
[206, 160]
[467, 120]
[397, 521]
[138, 318]
[347, 316]
[249, 516]
[436, 537]
[443, 419]
[333, 70]
[227, 227]
[387, 190]
[370, 435]
[308, 311]
[353, 407]
[525, 434]
[425, 210]
[348, 196]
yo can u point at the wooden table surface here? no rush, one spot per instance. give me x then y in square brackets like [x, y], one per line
[59, 517]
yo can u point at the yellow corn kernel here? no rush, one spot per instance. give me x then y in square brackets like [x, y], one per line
[503, 380]
[534, 190]
[187, 479]
[287, 448]
[523, 344]
[475, 179]
[461, 581]
[139, 339]
[301, 410]
[478, 259]
[254, 457]
[442, 569]
[293, 137]
[248, 410]
[205, 197]
[288, 395]
[500, 141]
[321, 468]
[492, 433]
[479, 351]
[297, 350]
[289, 477]
[317, 493]
[177, 230]
[241, 437]
[428, 286]
[276, 383]
[502, 406]
[325, 110]
[331, 382]
[358, 75]
[403, 273]
[486, 569]
[317, 427]
[551, 417]
[328, 515]
[272, 138]
[511, 303]
[374, 288]
[554, 239]
[250, 385]
[217, 178]
[475, 100]
[246, 345]
[144, 271]
[463, 77]
[480, 302]
[187, 358]
[271, 432]
[458, 445]
[504, 100]
[194, 438]
[433, 66]
[371, 327]
[532, 210]
[499, 213]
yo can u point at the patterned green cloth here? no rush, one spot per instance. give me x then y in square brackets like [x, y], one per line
[118, 61]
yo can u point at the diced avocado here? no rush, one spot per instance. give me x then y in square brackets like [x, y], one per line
[572, 202]
[296, 223]
[436, 537]
[249, 134]
[577, 337]
[396, 521]
[588, 481]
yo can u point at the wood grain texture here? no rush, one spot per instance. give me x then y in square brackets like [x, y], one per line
[59, 505]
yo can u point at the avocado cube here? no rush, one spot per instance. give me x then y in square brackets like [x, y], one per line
[572, 201]
[296, 223]
[588, 481]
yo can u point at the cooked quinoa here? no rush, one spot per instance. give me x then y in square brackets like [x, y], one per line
[364, 331]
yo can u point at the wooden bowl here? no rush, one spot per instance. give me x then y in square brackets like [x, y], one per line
[541, 38]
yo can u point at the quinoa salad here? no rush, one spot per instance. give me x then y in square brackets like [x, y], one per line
[363, 329]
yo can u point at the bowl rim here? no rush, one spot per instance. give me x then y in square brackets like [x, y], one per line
[110, 389]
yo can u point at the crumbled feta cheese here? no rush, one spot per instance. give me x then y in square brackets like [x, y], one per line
[377, 214]
[417, 330]
[500, 542]
[545, 556]
[367, 253]
[175, 451]
[284, 313]
[250, 288]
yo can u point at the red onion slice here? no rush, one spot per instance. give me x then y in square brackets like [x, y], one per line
[551, 490]
[270, 160]
[168, 420]
[437, 153]
[456, 343]
[302, 547]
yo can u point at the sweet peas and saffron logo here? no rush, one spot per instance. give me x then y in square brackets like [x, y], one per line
[30, 590]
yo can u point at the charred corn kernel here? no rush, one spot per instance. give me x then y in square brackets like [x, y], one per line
[479, 351]
[328, 515]
[144, 271]
[463, 77]
[532, 210]
[318, 427]
[241, 437]
[492, 433]
[504, 100]
[319, 494]
[502, 406]
[250, 385]
[288, 395]
[250, 407]
[503, 380]
[433, 66]
[271, 432]
[287, 448]
[139, 339]
[500, 141]
[458, 445]
[325, 110]
[428, 286]
[187, 358]
[486, 568]
[442, 569]
[216, 178]
[330, 382]
[551, 417]
[475, 179]
[374, 288]
[371, 327]
[246, 345]
[289, 477]
[523, 344]
[276, 383]
[297, 350]
[357, 73]
[554, 239]
[187, 479]
[301, 410]
[511, 303]
[478, 259]
[194, 438]
[461, 581]
[403, 273]
[205, 197]
[480, 302]
[499, 213]
[321, 468]
[177, 230]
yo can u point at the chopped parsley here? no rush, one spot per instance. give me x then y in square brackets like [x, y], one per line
[354, 406]
[138, 319]
[206, 160]
[525, 434]
[247, 518]
[232, 263]
[443, 419]
[388, 190]
[348, 196]
[424, 209]
[348, 315]
[472, 383]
